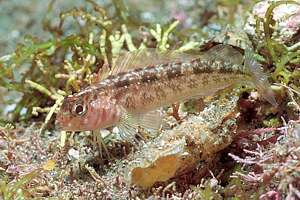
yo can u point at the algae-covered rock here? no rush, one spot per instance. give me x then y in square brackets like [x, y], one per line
[179, 150]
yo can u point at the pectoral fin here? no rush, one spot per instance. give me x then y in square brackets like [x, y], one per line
[130, 123]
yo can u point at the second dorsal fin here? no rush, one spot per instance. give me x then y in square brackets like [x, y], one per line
[225, 53]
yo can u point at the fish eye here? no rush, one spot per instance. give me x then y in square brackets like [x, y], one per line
[79, 109]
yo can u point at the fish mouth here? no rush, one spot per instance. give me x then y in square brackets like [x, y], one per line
[58, 125]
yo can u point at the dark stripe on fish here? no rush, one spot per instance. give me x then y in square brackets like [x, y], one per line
[169, 71]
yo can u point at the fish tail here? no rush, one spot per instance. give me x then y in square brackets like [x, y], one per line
[259, 78]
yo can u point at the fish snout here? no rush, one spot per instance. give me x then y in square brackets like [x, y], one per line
[58, 124]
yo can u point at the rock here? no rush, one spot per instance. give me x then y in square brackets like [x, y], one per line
[179, 150]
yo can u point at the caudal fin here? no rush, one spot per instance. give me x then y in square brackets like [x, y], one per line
[259, 78]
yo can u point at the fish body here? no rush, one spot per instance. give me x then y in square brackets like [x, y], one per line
[149, 88]
[131, 98]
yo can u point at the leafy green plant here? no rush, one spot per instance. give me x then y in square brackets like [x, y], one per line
[280, 54]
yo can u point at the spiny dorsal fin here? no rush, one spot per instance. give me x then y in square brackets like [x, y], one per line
[104, 72]
[144, 58]
[225, 53]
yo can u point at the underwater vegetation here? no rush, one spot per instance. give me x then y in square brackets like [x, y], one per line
[233, 145]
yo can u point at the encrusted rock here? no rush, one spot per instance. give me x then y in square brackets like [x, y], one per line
[179, 150]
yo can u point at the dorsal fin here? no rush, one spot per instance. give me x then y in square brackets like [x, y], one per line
[143, 58]
[225, 53]
[259, 78]
[104, 72]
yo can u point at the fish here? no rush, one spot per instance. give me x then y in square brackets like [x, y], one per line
[131, 94]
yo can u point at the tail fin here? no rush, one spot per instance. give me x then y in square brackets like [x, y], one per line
[259, 78]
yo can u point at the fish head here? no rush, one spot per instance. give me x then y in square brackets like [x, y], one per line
[86, 112]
